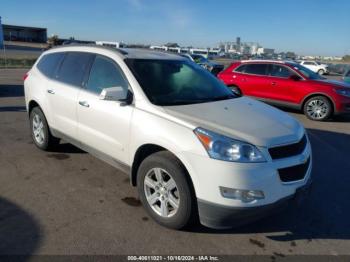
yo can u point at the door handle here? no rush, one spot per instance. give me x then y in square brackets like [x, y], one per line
[84, 103]
[273, 83]
[50, 91]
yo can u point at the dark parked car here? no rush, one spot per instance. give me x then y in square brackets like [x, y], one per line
[211, 66]
[346, 76]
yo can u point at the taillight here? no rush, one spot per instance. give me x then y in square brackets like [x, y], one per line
[25, 76]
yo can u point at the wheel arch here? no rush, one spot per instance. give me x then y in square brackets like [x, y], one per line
[146, 150]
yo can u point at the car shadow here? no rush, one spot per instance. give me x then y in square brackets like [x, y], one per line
[336, 118]
[20, 232]
[13, 109]
[11, 91]
[325, 213]
[64, 147]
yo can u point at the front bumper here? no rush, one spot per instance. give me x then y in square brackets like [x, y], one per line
[221, 217]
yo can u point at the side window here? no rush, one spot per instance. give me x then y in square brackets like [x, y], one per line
[256, 69]
[74, 67]
[240, 69]
[308, 63]
[48, 63]
[280, 71]
[105, 73]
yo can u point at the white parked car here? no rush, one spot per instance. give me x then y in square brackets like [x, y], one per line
[192, 147]
[316, 67]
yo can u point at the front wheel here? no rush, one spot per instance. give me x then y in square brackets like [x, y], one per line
[321, 72]
[165, 190]
[318, 108]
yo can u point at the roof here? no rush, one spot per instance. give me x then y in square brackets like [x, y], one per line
[263, 61]
[133, 53]
[19, 27]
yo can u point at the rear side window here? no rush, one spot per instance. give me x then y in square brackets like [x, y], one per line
[280, 71]
[73, 68]
[105, 73]
[48, 63]
[240, 69]
[256, 69]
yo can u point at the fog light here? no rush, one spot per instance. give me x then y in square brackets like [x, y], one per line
[242, 194]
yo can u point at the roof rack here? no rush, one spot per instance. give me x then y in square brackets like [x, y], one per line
[121, 51]
[264, 60]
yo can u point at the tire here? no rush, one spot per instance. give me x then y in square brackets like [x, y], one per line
[42, 137]
[236, 90]
[167, 165]
[321, 72]
[318, 108]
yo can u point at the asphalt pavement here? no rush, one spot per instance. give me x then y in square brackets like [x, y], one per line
[68, 202]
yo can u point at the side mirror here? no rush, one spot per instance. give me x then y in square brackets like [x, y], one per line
[295, 77]
[116, 93]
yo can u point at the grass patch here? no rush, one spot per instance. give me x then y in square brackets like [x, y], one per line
[17, 62]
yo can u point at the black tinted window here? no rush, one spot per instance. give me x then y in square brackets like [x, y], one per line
[48, 63]
[73, 68]
[280, 71]
[241, 68]
[256, 69]
[105, 73]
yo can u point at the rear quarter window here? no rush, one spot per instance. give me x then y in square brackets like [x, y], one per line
[49, 63]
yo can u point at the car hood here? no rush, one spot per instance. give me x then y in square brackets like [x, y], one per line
[334, 83]
[243, 119]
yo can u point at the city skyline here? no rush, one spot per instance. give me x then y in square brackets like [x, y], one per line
[305, 27]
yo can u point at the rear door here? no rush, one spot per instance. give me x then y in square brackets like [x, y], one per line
[104, 125]
[63, 89]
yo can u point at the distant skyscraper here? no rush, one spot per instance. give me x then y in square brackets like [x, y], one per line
[1, 35]
[238, 41]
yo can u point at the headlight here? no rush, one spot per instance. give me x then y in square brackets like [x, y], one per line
[343, 92]
[228, 149]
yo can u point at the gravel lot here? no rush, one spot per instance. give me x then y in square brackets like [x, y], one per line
[68, 202]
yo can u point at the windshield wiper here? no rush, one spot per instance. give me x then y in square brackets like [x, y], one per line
[224, 97]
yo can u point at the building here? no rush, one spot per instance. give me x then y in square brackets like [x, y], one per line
[111, 44]
[24, 33]
[265, 51]
[1, 35]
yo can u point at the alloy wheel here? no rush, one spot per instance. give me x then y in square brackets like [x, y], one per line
[38, 129]
[317, 109]
[161, 192]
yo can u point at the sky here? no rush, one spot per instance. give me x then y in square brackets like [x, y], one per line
[307, 27]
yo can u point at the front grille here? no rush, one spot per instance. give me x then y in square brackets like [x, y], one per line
[294, 173]
[288, 150]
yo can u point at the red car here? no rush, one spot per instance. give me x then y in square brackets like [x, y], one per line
[288, 84]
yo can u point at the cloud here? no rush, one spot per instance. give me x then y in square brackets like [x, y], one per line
[136, 4]
[180, 18]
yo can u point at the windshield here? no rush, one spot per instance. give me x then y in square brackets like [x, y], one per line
[177, 82]
[306, 72]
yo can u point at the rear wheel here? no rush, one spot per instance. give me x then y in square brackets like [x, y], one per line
[165, 190]
[40, 131]
[236, 90]
[318, 108]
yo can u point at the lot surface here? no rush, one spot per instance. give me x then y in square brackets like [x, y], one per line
[68, 202]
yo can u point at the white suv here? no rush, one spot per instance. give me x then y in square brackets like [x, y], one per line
[316, 67]
[192, 147]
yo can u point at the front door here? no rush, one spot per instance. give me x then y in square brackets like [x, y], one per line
[104, 125]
